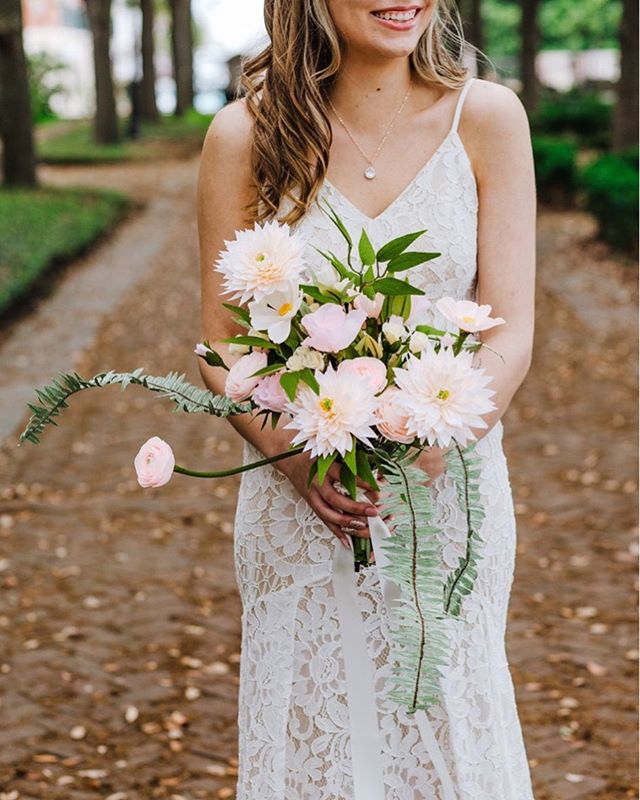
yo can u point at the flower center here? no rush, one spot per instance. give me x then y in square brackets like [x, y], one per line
[260, 257]
[326, 404]
[467, 319]
[284, 309]
[443, 394]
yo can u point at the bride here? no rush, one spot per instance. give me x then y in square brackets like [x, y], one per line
[367, 104]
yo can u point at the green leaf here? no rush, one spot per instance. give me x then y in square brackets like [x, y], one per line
[430, 330]
[324, 462]
[317, 294]
[335, 262]
[214, 358]
[339, 224]
[313, 470]
[268, 370]
[238, 311]
[289, 382]
[309, 378]
[275, 418]
[349, 457]
[396, 246]
[408, 260]
[348, 480]
[364, 469]
[393, 286]
[365, 250]
[250, 341]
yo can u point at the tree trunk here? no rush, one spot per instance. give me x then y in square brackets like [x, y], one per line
[148, 107]
[529, 39]
[105, 129]
[625, 121]
[182, 50]
[16, 123]
[471, 13]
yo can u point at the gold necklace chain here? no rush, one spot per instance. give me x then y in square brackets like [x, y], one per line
[370, 172]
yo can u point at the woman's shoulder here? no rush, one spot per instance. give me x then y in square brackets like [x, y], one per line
[225, 158]
[493, 124]
[492, 108]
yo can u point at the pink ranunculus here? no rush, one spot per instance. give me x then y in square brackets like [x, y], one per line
[154, 463]
[371, 308]
[239, 383]
[372, 369]
[269, 394]
[330, 328]
[392, 418]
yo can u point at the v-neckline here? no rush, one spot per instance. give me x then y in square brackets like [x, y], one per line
[453, 133]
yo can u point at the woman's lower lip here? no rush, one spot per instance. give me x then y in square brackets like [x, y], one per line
[395, 25]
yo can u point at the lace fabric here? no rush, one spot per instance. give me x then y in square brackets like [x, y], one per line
[294, 741]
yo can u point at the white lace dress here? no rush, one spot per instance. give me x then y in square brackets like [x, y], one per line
[294, 716]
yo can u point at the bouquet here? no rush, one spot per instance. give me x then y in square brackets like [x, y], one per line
[339, 355]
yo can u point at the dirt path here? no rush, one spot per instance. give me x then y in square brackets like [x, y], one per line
[119, 617]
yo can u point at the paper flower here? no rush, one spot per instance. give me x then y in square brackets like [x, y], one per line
[371, 308]
[240, 381]
[330, 328]
[444, 396]
[274, 312]
[372, 370]
[154, 463]
[261, 260]
[392, 417]
[467, 315]
[269, 394]
[344, 407]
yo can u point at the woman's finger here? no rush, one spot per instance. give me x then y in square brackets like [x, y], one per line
[353, 507]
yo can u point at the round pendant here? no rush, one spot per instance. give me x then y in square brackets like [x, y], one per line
[369, 173]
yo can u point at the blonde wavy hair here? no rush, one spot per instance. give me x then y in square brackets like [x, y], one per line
[286, 88]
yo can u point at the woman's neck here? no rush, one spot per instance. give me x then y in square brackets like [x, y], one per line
[362, 84]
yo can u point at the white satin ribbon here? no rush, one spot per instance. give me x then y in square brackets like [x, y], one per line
[363, 719]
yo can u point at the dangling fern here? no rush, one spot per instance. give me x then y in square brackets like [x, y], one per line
[187, 397]
[464, 468]
[417, 625]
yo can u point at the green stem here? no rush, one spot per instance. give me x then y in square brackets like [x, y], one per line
[467, 555]
[237, 470]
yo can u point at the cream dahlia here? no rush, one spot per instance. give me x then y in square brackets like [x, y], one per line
[260, 260]
[344, 407]
[443, 396]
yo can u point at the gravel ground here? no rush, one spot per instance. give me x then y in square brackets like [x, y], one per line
[119, 614]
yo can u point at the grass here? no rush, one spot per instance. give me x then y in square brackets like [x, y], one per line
[74, 144]
[44, 226]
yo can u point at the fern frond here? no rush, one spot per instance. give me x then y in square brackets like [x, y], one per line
[418, 630]
[464, 468]
[187, 397]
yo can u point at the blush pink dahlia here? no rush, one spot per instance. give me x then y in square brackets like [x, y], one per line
[260, 260]
[444, 396]
[154, 463]
[330, 328]
[327, 421]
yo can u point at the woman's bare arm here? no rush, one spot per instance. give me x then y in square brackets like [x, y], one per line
[224, 191]
[495, 125]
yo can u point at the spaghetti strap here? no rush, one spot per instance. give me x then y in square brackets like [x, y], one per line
[459, 104]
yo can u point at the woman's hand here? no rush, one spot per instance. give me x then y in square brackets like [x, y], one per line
[337, 511]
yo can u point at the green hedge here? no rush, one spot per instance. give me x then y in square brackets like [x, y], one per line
[44, 226]
[555, 166]
[583, 115]
[610, 186]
